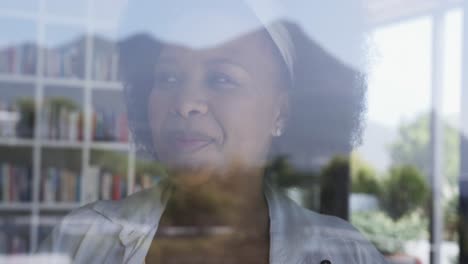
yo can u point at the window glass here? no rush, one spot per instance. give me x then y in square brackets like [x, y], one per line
[255, 131]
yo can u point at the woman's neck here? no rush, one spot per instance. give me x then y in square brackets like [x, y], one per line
[234, 198]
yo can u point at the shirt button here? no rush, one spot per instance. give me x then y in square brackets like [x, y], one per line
[325, 261]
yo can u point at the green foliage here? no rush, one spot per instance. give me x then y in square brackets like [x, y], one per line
[118, 162]
[337, 167]
[281, 172]
[334, 185]
[26, 104]
[387, 234]
[150, 167]
[62, 103]
[62, 158]
[404, 190]
[285, 175]
[363, 177]
[114, 161]
[413, 147]
[451, 218]
[25, 126]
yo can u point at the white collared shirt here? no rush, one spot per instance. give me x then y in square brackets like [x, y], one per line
[122, 232]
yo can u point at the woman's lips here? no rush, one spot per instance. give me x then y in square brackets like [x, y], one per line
[189, 142]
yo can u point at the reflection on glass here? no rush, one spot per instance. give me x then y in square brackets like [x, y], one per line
[60, 176]
[225, 132]
[17, 111]
[223, 115]
[64, 53]
[14, 235]
[66, 8]
[62, 114]
[18, 54]
[109, 117]
[15, 175]
[106, 177]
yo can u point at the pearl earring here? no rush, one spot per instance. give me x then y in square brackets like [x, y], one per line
[277, 132]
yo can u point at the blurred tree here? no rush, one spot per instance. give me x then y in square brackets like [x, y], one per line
[25, 126]
[117, 162]
[451, 218]
[151, 167]
[286, 176]
[61, 102]
[389, 235]
[413, 147]
[404, 190]
[283, 173]
[334, 187]
[363, 177]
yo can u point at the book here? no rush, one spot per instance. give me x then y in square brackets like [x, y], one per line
[109, 126]
[64, 62]
[60, 122]
[59, 185]
[144, 181]
[19, 59]
[105, 185]
[9, 119]
[14, 234]
[106, 65]
[101, 183]
[90, 184]
[15, 183]
[116, 187]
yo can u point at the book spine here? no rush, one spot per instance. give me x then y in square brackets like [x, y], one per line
[72, 182]
[90, 184]
[11, 59]
[62, 123]
[106, 185]
[3, 61]
[77, 196]
[18, 58]
[49, 190]
[123, 127]
[13, 188]
[63, 186]
[1, 182]
[116, 187]
[73, 126]
[6, 186]
[80, 126]
[115, 66]
[56, 184]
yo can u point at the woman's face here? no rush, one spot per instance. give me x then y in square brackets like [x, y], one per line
[217, 106]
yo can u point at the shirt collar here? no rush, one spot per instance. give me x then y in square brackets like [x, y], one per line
[140, 213]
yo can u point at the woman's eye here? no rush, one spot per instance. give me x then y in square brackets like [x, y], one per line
[164, 80]
[219, 80]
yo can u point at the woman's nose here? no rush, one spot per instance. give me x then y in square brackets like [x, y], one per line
[190, 104]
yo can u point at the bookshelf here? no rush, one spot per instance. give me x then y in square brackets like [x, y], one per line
[60, 81]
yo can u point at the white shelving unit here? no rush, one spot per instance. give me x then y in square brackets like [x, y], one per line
[39, 83]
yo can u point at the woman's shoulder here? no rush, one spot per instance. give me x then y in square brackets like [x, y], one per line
[102, 222]
[324, 235]
[292, 217]
[315, 224]
[73, 227]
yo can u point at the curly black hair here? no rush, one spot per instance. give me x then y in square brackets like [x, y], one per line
[326, 100]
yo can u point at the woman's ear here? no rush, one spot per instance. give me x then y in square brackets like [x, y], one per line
[281, 116]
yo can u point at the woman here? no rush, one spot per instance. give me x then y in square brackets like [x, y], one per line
[208, 102]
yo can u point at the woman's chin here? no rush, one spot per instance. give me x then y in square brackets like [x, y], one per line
[194, 163]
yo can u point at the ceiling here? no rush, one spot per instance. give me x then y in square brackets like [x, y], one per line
[387, 11]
